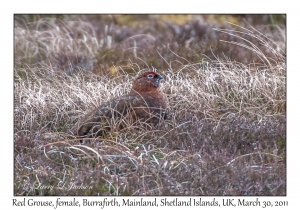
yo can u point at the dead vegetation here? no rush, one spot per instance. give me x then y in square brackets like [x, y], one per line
[226, 128]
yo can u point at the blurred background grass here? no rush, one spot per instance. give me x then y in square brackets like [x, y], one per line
[102, 43]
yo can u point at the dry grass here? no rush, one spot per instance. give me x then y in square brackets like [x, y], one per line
[226, 128]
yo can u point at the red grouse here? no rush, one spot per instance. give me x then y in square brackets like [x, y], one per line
[144, 103]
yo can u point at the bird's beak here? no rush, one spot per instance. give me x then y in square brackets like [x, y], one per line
[159, 77]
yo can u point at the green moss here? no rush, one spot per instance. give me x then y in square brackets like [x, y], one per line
[102, 188]
[279, 142]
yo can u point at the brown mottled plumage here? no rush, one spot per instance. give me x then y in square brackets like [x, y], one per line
[143, 103]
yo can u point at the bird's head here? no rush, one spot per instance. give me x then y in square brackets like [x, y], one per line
[147, 81]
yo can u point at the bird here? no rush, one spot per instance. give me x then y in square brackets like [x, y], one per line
[143, 104]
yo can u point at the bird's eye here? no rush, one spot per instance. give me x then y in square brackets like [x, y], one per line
[150, 76]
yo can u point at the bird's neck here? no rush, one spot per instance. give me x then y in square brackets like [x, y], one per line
[146, 91]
